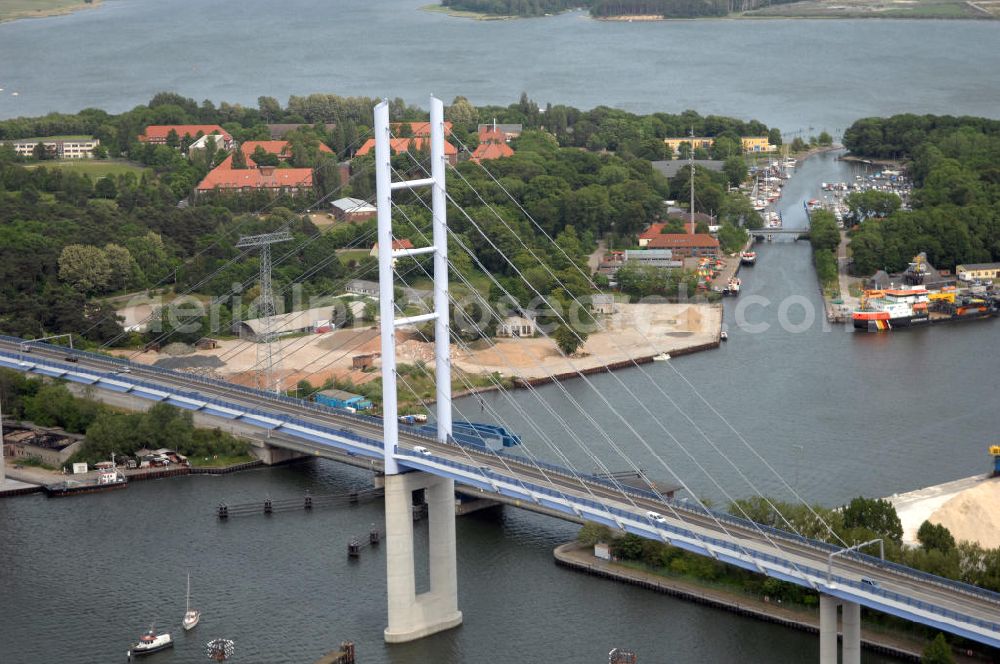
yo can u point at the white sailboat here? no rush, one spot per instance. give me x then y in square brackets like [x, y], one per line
[191, 616]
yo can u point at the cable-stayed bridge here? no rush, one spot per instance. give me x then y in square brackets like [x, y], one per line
[435, 459]
[558, 491]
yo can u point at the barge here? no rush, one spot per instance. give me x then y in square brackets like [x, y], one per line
[108, 480]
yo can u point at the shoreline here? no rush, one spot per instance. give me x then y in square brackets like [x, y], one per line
[574, 556]
[54, 11]
[980, 15]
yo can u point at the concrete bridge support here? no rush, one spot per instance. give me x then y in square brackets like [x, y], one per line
[851, 619]
[413, 616]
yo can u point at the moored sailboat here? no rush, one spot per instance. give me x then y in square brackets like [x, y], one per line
[191, 616]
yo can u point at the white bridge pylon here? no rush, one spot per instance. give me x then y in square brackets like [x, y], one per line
[412, 616]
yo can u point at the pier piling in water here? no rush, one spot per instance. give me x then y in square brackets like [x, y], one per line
[308, 502]
[345, 655]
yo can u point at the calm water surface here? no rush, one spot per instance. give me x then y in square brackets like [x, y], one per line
[798, 75]
[834, 413]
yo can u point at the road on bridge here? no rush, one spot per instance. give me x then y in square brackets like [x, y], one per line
[802, 561]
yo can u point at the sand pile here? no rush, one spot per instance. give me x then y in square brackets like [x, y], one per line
[973, 515]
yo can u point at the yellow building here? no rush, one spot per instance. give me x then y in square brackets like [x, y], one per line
[695, 143]
[756, 144]
[978, 272]
[749, 143]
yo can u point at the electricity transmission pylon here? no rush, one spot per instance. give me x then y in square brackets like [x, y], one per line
[267, 353]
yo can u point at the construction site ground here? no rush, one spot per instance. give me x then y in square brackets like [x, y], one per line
[634, 331]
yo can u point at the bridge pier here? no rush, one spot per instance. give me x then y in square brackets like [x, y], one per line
[828, 606]
[413, 616]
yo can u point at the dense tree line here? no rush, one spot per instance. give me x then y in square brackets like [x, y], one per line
[50, 404]
[68, 240]
[825, 238]
[63, 242]
[903, 136]
[861, 520]
[605, 128]
[955, 165]
[513, 7]
[665, 8]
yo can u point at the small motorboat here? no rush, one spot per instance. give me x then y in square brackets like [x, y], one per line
[662, 357]
[151, 642]
[723, 336]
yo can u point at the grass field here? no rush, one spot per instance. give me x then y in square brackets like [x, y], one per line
[14, 9]
[95, 168]
[346, 256]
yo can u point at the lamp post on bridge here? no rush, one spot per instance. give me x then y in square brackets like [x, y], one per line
[854, 547]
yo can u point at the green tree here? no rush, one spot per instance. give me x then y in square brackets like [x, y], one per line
[935, 537]
[591, 533]
[732, 238]
[774, 136]
[871, 203]
[823, 231]
[239, 159]
[736, 170]
[54, 406]
[262, 157]
[462, 113]
[938, 652]
[269, 108]
[726, 147]
[105, 188]
[824, 139]
[124, 271]
[875, 514]
[628, 547]
[85, 267]
[568, 339]
[173, 140]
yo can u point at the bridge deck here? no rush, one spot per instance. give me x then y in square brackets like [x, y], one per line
[947, 605]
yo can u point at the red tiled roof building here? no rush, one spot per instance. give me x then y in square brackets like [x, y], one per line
[401, 145]
[683, 245]
[492, 145]
[278, 180]
[283, 149]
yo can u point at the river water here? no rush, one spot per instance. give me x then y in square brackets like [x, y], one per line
[799, 75]
[834, 413]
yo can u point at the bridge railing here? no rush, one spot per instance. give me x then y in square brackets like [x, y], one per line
[565, 472]
[123, 363]
[214, 401]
